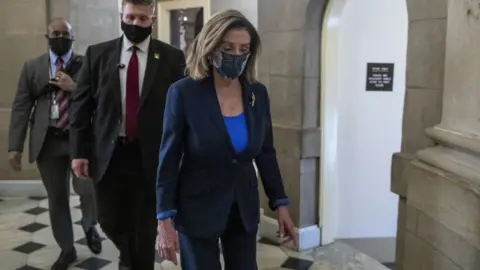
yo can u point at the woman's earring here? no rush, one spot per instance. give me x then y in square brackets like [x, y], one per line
[252, 100]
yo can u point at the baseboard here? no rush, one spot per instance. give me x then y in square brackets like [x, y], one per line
[381, 249]
[308, 237]
[22, 188]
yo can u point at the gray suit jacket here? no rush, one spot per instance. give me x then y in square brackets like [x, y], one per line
[31, 105]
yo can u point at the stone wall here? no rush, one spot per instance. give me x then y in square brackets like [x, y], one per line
[437, 175]
[289, 67]
[22, 30]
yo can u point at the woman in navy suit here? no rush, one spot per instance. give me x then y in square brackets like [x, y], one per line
[216, 123]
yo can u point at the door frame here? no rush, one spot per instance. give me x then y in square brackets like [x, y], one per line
[163, 14]
[329, 104]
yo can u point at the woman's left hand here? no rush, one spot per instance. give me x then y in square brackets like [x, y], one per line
[286, 230]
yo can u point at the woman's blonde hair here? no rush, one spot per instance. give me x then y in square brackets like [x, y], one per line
[208, 41]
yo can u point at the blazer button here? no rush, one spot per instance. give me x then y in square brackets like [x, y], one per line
[234, 161]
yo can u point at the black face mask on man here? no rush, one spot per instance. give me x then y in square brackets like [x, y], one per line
[60, 45]
[135, 33]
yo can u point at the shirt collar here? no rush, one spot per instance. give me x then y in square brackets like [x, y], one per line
[142, 46]
[65, 58]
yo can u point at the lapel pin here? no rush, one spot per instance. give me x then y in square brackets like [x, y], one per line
[156, 56]
[252, 100]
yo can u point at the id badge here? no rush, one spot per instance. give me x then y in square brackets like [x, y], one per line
[54, 114]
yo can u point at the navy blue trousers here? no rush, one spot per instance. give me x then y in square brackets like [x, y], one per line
[239, 248]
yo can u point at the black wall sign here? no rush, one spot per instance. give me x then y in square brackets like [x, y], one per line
[380, 76]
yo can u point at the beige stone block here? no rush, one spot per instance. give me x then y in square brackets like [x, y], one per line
[411, 222]
[286, 99]
[461, 108]
[426, 9]
[282, 15]
[29, 171]
[59, 9]
[311, 102]
[398, 177]
[287, 141]
[422, 109]
[23, 17]
[426, 54]
[446, 198]
[21, 38]
[309, 190]
[286, 53]
[449, 243]
[401, 231]
[421, 256]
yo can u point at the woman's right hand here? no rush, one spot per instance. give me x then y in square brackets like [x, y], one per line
[167, 241]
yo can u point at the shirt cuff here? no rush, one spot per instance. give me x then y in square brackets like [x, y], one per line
[166, 214]
[281, 202]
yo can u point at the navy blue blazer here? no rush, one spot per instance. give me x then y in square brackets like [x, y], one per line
[199, 174]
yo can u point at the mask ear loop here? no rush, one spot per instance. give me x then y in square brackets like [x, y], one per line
[216, 59]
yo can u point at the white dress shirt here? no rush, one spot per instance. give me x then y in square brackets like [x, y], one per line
[142, 54]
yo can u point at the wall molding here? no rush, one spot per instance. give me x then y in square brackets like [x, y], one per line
[463, 164]
[454, 138]
[22, 188]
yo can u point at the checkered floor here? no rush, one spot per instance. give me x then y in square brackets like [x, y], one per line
[27, 242]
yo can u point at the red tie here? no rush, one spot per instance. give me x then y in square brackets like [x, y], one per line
[132, 97]
[61, 99]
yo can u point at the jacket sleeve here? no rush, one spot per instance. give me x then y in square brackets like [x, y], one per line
[81, 109]
[21, 111]
[268, 166]
[170, 153]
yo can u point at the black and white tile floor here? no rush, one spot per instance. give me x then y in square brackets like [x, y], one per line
[26, 242]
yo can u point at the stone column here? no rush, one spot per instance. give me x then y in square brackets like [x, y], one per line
[22, 30]
[423, 100]
[442, 182]
[289, 67]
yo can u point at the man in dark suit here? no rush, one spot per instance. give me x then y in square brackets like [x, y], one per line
[116, 127]
[42, 100]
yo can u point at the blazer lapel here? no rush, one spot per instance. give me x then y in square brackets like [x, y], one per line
[43, 71]
[113, 70]
[249, 104]
[213, 107]
[73, 65]
[153, 60]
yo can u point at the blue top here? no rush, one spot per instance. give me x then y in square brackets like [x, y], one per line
[237, 130]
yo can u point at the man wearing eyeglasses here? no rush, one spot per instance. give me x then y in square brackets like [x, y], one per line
[41, 103]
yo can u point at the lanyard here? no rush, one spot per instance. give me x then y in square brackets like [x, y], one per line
[52, 72]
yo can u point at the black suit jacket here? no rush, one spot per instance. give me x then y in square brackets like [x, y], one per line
[96, 109]
[199, 173]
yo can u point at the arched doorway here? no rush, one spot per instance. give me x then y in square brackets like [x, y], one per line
[363, 87]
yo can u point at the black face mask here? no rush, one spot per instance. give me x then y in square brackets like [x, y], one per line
[135, 33]
[229, 65]
[60, 45]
